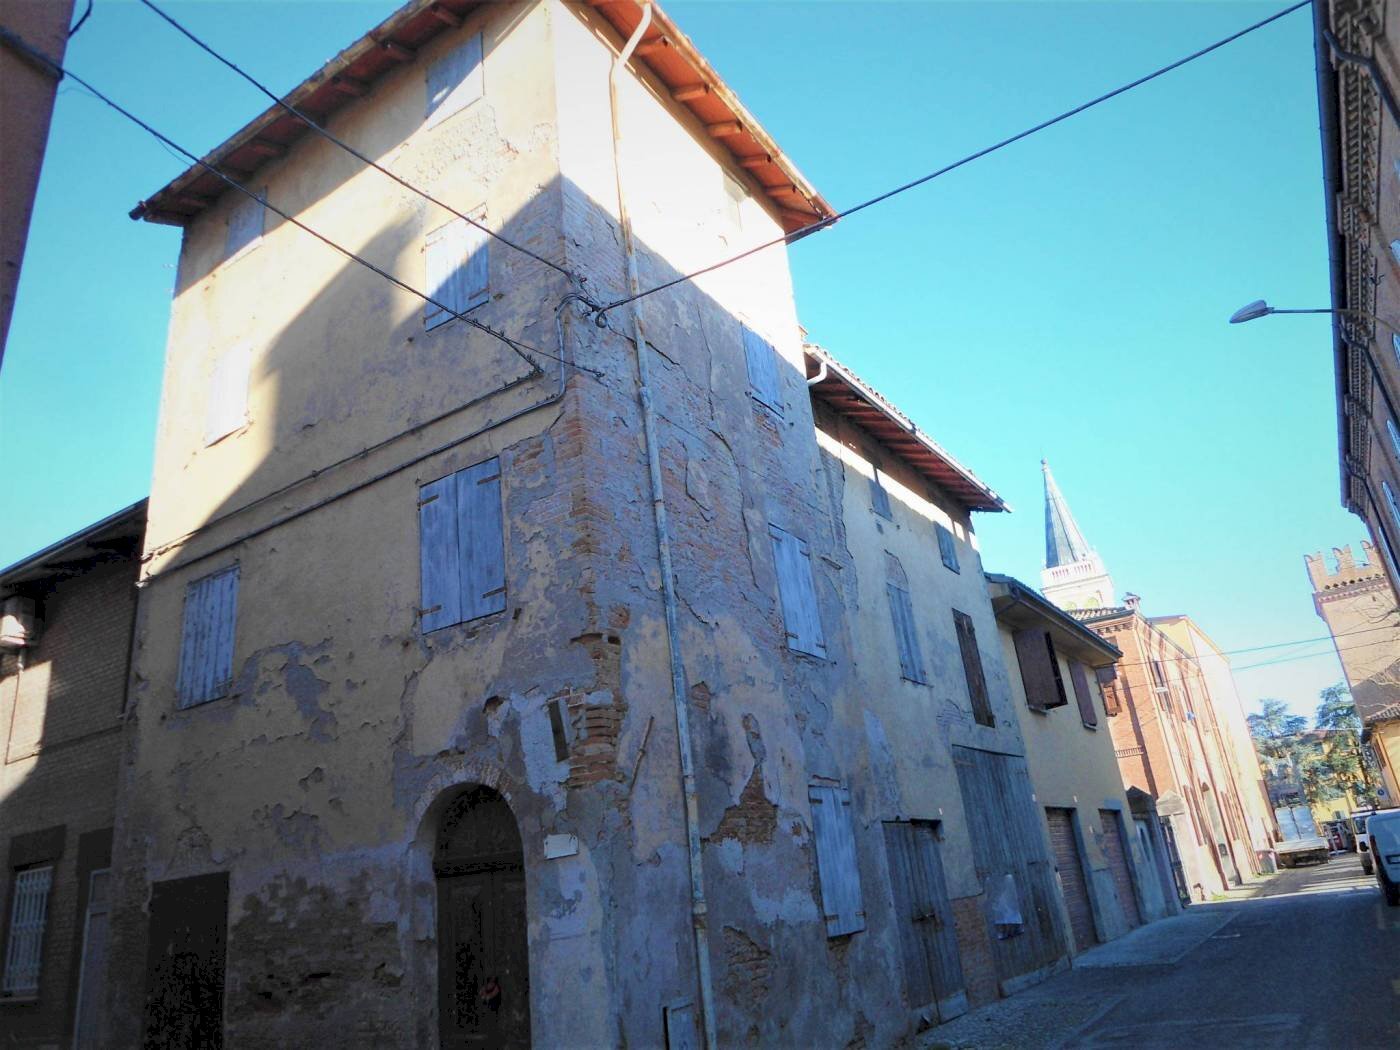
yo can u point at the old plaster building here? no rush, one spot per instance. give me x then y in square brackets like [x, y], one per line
[1175, 739]
[1358, 605]
[547, 674]
[66, 617]
[1358, 72]
[1113, 866]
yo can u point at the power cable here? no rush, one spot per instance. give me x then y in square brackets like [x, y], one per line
[320, 130]
[79, 23]
[515, 345]
[601, 313]
[1273, 645]
[1302, 656]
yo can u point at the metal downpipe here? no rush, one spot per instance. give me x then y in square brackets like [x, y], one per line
[698, 908]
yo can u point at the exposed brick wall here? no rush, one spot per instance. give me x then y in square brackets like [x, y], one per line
[975, 949]
[60, 768]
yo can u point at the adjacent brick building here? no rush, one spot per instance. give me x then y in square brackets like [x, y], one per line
[65, 635]
[1181, 737]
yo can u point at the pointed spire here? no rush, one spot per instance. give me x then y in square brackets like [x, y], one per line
[1064, 543]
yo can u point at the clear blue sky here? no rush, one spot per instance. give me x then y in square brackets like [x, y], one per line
[1065, 298]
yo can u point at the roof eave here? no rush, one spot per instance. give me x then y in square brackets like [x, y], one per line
[960, 482]
[1014, 593]
[127, 516]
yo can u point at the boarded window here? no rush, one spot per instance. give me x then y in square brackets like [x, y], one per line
[972, 670]
[226, 409]
[837, 870]
[1040, 670]
[28, 915]
[735, 193]
[762, 362]
[245, 223]
[1108, 684]
[911, 661]
[879, 495]
[947, 547]
[462, 546]
[793, 561]
[185, 956]
[206, 647]
[458, 270]
[1088, 714]
[455, 81]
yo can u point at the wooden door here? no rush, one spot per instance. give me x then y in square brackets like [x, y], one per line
[1003, 822]
[1114, 847]
[929, 943]
[1068, 862]
[483, 956]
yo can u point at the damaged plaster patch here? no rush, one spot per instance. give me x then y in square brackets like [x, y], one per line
[748, 969]
[882, 766]
[753, 819]
[697, 487]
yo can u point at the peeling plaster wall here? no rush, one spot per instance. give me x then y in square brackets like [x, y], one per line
[318, 782]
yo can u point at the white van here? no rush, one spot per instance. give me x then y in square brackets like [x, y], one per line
[1383, 831]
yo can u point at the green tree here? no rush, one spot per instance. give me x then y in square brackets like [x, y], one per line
[1349, 765]
[1285, 755]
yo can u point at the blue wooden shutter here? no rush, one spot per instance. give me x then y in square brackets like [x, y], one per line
[458, 270]
[206, 644]
[438, 559]
[947, 547]
[837, 870]
[454, 81]
[763, 371]
[801, 619]
[481, 543]
[911, 662]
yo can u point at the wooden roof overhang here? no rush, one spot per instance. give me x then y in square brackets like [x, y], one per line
[851, 397]
[1017, 605]
[397, 40]
[116, 537]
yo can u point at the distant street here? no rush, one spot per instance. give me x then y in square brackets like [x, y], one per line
[1312, 960]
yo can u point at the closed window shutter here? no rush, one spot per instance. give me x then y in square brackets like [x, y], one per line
[911, 665]
[206, 645]
[458, 274]
[227, 407]
[972, 669]
[1058, 697]
[438, 554]
[24, 952]
[793, 561]
[763, 370]
[1108, 684]
[947, 547]
[1032, 658]
[1087, 713]
[455, 81]
[245, 223]
[481, 543]
[837, 870]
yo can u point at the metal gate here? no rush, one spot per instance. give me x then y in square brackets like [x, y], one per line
[1114, 846]
[1008, 849]
[1071, 868]
[928, 941]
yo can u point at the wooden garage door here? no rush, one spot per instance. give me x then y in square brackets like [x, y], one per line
[1118, 864]
[1071, 869]
[1009, 854]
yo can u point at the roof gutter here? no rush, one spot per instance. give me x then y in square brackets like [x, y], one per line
[1331, 182]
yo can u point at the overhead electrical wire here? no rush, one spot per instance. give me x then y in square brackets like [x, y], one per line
[601, 312]
[320, 130]
[1274, 645]
[1303, 656]
[515, 345]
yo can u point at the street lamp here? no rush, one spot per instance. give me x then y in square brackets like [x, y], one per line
[1259, 308]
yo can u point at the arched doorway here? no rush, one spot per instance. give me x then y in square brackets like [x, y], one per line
[483, 959]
